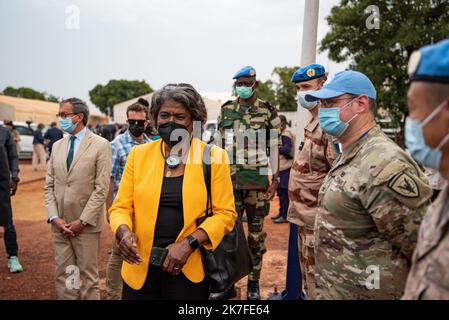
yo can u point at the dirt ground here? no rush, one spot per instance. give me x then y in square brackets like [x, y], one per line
[36, 251]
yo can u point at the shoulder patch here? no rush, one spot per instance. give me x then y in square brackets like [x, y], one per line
[404, 185]
[227, 103]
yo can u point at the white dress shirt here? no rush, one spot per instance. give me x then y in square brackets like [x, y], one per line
[79, 137]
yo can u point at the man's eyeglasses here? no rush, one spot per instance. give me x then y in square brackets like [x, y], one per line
[332, 103]
[133, 122]
[64, 115]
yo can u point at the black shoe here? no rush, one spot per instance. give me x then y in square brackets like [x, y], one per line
[275, 217]
[225, 295]
[253, 290]
[280, 220]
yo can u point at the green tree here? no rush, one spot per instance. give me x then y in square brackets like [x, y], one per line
[29, 93]
[383, 53]
[279, 91]
[266, 92]
[285, 88]
[116, 91]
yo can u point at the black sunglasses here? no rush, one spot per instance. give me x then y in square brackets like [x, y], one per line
[133, 122]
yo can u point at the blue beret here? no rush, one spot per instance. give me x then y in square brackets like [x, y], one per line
[247, 71]
[312, 71]
[430, 63]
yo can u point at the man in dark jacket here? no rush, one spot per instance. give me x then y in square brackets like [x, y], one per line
[5, 191]
[53, 134]
[9, 178]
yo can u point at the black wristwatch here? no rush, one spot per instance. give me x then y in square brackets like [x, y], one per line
[193, 242]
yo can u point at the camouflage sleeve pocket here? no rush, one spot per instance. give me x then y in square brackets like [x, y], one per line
[404, 183]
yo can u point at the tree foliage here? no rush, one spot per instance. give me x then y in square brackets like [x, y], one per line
[383, 53]
[116, 91]
[29, 93]
[279, 91]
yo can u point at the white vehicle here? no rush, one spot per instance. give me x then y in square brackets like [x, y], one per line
[209, 130]
[26, 139]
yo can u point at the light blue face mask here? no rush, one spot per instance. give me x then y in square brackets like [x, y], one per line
[309, 105]
[67, 125]
[244, 92]
[416, 143]
[330, 121]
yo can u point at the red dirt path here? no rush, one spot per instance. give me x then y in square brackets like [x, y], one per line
[36, 251]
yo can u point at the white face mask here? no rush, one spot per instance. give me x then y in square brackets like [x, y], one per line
[309, 105]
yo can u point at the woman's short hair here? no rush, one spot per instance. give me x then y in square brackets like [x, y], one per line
[184, 94]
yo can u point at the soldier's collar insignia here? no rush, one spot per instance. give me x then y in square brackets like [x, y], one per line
[311, 72]
[404, 185]
[413, 63]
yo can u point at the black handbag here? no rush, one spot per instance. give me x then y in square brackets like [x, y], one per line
[231, 260]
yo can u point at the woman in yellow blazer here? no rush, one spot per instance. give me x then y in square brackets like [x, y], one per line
[161, 194]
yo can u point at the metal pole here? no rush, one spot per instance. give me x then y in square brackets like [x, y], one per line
[308, 56]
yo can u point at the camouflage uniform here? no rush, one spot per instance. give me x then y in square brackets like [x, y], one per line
[308, 172]
[249, 184]
[370, 207]
[428, 278]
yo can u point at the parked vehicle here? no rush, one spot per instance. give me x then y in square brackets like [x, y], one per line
[26, 139]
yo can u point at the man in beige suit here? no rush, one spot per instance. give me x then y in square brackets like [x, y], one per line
[76, 187]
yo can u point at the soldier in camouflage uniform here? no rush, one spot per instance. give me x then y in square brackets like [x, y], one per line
[308, 172]
[371, 202]
[251, 117]
[427, 138]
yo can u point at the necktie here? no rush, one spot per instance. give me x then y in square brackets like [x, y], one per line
[71, 150]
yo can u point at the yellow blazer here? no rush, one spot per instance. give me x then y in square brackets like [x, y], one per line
[137, 204]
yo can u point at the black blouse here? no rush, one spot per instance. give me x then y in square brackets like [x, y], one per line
[170, 217]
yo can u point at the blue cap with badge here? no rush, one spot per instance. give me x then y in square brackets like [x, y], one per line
[247, 71]
[430, 63]
[310, 72]
[352, 82]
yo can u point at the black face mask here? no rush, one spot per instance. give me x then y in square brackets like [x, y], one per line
[136, 130]
[166, 129]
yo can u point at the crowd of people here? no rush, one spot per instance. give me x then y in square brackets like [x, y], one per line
[370, 226]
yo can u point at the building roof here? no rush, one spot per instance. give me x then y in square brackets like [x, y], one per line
[21, 109]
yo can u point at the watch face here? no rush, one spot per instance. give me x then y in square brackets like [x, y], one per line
[193, 242]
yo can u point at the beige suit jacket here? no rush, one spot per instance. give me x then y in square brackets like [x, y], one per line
[79, 193]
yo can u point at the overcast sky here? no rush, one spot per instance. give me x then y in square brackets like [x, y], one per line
[202, 42]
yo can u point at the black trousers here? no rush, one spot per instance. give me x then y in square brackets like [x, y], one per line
[283, 202]
[12, 248]
[160, 285]
[5, 207]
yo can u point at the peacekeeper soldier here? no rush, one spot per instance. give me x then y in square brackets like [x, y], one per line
[248, 129]
[308, 172]
[427, 138]
[371, 202]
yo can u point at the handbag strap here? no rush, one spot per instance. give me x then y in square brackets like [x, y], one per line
[207, 172]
